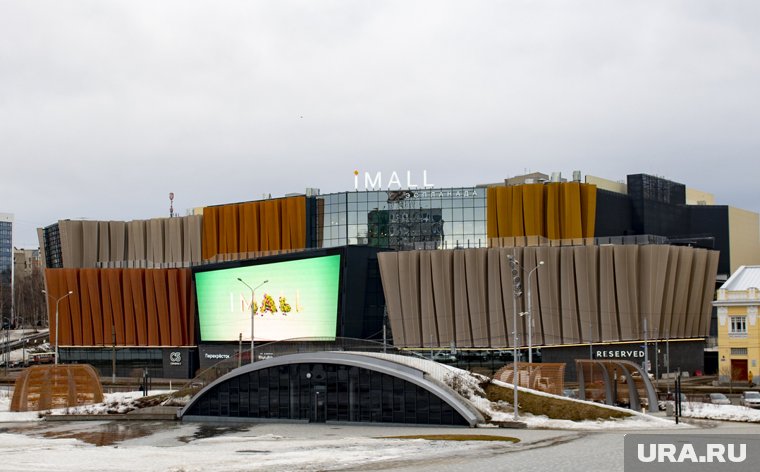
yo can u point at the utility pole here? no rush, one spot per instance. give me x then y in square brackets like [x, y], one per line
[517, 289]
[113, 354]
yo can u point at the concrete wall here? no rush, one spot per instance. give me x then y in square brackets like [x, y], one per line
[744, 237]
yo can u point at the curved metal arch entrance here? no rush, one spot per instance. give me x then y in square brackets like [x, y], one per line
[330, 387]
[609, 370]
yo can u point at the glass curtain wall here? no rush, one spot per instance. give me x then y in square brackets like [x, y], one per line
[404, 219]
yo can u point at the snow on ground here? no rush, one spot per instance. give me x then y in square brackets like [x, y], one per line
[118, 402]
[720, 412]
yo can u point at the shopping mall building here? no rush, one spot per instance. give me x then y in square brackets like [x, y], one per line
[619, 268]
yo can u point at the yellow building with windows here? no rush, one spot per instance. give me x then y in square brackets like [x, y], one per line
[738, 328]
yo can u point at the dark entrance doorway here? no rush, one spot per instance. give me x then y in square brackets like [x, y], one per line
[319, 399]
[739, 369]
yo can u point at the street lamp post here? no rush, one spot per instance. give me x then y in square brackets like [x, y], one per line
[57, 301]
[517, 289]
[530, 315]
[253, 314]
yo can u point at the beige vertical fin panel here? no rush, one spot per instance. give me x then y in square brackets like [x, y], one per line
[669, 294]
[660, 275]
[104, 242]
[443, 294]
[89, 244]
[192, 238]
[571, 334]
[647, 280]
[476, 272]
[608, 312]
[531, 259]
[118, 239]
[550, 297]
[156, 241]
[696, 287]
[681, 302]
[627, 291]
[586, 284]
[497, 328]
[173, 241]
[463, 328]
[389, 275]
[427, 305]
[409, 277]
[711, 273]
[71, 243]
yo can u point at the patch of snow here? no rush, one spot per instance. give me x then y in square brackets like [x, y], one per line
[710, 411]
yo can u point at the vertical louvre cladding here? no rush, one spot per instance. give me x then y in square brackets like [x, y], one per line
[166, 242]
[269, 225]
[555, 211]
[580, 294]
[142, 307]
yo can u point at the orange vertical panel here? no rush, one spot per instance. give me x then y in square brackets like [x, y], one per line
[106, 305]
[93, 313]
[264, 220]
[244, 227]
[552, 211]
[55, 285]
[284, 207]
[86, 314]
[492, 214]
[130, 335]
[299, 235]
[91, 281]
[117, 305]
[275, 237]
[150, 309]
[208, 236]
[256, 227]
[136, 277]
[175, 328]
[71, 311]
[516, 211]
[187, 303]
[588, 209]
[228, 229]
[162, 305]
[501, 209]
[570, 210]
[533, 209]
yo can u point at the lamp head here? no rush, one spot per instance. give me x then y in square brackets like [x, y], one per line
[70, 292]
[540, 262]
[240, 279]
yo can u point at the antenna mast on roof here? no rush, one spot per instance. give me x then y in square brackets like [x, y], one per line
[171, 204]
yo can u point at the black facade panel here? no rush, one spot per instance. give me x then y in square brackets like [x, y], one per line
[362, 297]
[712, 220]
[613, 214]
[320, 392]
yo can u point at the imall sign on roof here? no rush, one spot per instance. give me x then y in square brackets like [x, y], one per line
[375, 181]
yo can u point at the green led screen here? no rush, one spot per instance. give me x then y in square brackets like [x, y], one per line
[300, 300]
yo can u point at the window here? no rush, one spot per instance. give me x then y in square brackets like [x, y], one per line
[738, 327]
[738, 351]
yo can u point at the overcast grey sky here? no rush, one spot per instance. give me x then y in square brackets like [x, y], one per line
[107, 106]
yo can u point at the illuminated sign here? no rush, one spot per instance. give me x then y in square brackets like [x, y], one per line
[375, 181]
[292, 299]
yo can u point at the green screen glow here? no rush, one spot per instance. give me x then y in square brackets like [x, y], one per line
[300, 300]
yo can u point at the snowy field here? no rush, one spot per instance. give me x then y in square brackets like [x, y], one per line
[28, 443]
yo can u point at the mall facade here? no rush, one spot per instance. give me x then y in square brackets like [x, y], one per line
[624, 265]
